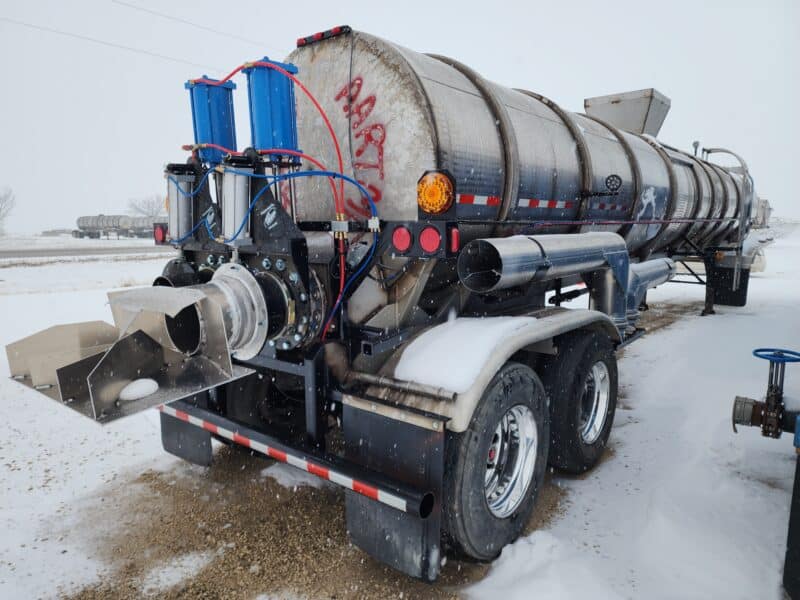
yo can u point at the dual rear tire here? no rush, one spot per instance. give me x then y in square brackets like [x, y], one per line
[495, 470]
[581, 382]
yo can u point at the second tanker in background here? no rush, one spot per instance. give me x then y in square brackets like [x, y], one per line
[97, 226]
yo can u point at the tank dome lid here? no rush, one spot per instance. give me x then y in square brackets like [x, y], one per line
[640, 111]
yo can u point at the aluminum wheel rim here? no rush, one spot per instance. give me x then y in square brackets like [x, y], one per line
[594, 402]
[510, 461]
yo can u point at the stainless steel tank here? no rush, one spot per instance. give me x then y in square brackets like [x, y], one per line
[515, 155]
[142, 223]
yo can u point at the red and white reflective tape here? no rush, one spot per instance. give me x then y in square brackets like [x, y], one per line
[534, 203]
[323, 472]
[607, 206]
[479, 200]
[523, 202]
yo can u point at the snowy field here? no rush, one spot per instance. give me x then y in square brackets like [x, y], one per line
[680, 508]
[67, 241]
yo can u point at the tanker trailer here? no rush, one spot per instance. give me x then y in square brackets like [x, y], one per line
[96, 226]
[385, 308]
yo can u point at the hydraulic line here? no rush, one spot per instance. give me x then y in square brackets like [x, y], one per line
[304, 89]
[286, 176]
[311, 159]
[364, 264]
[196, 191]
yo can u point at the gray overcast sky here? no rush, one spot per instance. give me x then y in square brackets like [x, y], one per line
[86, 127]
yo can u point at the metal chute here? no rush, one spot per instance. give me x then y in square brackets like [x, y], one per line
[179, 337]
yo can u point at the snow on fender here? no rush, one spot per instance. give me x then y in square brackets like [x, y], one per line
[463, 355]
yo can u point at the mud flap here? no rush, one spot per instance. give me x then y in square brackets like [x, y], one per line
[411, 453]
[720, 280]
[185, 441]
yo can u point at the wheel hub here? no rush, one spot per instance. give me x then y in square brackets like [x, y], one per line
[510, 461]
[594, 402]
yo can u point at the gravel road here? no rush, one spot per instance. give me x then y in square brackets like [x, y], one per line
[254, 538]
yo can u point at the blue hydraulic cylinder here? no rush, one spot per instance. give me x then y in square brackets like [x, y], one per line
[273, 116]
[212, 117]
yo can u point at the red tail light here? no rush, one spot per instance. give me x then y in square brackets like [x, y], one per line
[430, 240]
[160, 233]
[455, 240]
[401, 238]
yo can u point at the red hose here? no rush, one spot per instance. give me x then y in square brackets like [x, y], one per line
[338, 201]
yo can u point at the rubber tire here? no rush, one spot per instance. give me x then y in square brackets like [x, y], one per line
[469, 526]
[563, 377]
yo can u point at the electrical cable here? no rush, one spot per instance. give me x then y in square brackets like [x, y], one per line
[86, 38]
[232, 36]
[364, 263]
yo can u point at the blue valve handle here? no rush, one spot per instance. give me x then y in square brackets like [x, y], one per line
[777, 355]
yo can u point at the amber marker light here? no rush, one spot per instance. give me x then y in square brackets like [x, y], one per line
[435, 193]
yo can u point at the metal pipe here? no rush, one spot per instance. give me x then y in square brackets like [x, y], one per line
[400, 385]
[241, 300]
[486, 265]
[750, 412]
[642, 277]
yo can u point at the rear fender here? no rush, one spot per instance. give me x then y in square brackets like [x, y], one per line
[462, 356]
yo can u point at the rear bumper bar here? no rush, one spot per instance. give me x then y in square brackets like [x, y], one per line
[363, 481]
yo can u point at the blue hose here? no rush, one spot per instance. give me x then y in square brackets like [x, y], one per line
[197, 189]
[286, 176]
[364, 264]
[192, 232]
[334, 174]
[249, 210]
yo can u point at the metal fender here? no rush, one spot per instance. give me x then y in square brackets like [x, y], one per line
[461, 356]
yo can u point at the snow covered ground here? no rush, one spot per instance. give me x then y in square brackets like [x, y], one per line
[12, 242]
[684, 508]
[681, 508]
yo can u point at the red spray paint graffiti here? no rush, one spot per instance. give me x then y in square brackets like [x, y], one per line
[369, 151]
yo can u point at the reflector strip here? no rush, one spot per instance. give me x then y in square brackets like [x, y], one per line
[607, 206]
[556, 204]
[360, 487]
[523, 202]
[479, 200]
